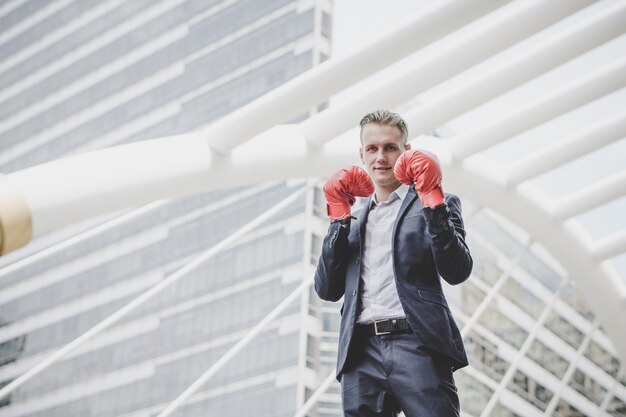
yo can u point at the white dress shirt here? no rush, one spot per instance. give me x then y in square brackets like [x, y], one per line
[379, 294]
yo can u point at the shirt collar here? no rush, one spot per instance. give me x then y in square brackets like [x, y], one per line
[401, 192]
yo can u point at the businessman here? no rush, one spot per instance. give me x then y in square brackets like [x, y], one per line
[398, 342]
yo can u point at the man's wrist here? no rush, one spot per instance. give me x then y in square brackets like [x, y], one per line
[343, 222]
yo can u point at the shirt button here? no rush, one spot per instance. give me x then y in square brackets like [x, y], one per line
[353, 292]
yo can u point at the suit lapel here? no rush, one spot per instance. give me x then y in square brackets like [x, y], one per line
[365, 211]
[410, 197]
[360, 230]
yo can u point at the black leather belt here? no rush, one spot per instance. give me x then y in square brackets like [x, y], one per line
[387, 326]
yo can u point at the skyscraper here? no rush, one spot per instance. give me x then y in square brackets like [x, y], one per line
[78, 76]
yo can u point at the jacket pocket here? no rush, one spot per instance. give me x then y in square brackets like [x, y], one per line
[432, 296]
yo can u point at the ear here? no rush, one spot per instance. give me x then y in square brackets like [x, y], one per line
[407, 146]
[361, 155]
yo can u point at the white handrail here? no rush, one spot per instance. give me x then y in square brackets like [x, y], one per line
[51, 250]
[109, 224]
[316, 395]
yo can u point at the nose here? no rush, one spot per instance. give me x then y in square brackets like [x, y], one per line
[381, 156]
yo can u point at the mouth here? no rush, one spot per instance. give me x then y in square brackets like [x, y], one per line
[382, 169]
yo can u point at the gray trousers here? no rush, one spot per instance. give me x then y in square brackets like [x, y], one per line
[391, 373]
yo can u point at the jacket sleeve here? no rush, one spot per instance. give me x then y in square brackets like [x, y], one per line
[445, 227]
[330, 275]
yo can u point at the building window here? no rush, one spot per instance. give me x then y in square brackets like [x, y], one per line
[327, 25]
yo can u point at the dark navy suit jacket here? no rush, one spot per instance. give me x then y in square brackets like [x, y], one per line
[426, 244]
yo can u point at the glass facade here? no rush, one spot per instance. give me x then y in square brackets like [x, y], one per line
[78, 76]
[529, 349]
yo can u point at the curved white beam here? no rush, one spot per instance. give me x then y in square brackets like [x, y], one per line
[521, 20]
[316, 85]
[598, 283]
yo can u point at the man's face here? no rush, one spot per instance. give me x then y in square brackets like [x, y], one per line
[381, 146]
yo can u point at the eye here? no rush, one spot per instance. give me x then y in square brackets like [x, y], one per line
[391, 147]
[371, 148]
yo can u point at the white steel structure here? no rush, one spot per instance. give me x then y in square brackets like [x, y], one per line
[233, 152]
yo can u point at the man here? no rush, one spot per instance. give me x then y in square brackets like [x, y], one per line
[398, 342]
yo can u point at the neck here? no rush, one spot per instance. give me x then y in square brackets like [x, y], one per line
[383, 192]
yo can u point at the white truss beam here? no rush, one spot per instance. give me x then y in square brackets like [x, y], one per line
[610, 246]
[597, 84]
[520, 21]
[602, 289]
[590, 197]
[310, 89]
[529, 63]
[147, 171]
[597, 135]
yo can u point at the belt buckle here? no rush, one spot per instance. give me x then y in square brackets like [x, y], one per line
[376, 328]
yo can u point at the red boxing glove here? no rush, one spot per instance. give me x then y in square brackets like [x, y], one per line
[341, 189]
[421, 168]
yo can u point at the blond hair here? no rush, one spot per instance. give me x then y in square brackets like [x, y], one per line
[387, 118]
